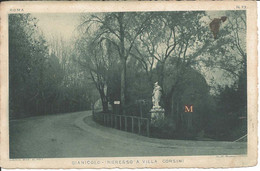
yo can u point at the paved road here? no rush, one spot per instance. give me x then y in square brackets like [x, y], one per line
[76, 135]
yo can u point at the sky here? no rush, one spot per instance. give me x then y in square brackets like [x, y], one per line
[64, 24]
[60, 25]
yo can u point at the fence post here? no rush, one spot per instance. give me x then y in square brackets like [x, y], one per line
[106, 119]
[125, 123]
[120, 122]
[148, 128]
[141, 110]
[132, 124]
[111, 120]
[139, 126]
[115, 121]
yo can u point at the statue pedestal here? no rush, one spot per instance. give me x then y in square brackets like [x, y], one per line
[157, 113]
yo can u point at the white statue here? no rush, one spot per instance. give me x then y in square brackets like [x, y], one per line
[156, 95]
[157, 112]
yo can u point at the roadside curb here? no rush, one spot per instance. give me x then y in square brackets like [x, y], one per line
[131, 138]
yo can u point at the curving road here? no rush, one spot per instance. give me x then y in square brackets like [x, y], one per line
[76, 135]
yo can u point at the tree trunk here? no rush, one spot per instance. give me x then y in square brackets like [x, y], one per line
[167, 105]
[104, 100]
[105, 106]
[122, 60]
[167, 100]
[123, 85]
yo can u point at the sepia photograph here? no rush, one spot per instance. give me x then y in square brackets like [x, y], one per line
[144, 83]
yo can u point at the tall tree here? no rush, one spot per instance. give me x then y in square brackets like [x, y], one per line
[94, 60]
[121, 29]
[27, 56]
[228, 51]
[172, 42]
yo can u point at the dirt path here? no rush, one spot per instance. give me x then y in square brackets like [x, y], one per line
[76, 135]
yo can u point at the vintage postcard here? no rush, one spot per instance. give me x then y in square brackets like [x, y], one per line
[128, 84]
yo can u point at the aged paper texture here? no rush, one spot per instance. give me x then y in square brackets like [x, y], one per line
[128, 84]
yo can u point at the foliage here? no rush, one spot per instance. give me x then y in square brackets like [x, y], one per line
[40, 82]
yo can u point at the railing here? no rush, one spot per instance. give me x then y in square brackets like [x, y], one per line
[133, 124]
[135, 120]
[241, 139]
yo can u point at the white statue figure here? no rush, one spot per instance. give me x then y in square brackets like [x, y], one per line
[156, 95]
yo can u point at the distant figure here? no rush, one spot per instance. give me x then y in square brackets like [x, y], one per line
[215, 25]
[156, 95]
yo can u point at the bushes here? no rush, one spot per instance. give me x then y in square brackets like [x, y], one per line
[163, 129]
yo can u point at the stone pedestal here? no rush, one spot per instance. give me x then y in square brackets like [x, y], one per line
[157, 113]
